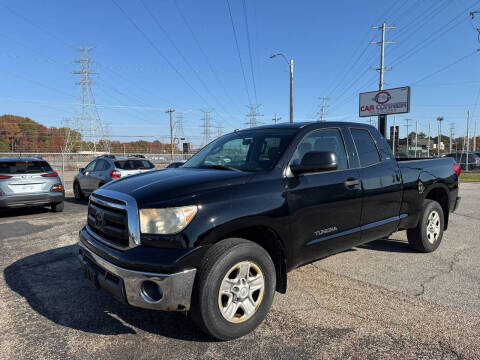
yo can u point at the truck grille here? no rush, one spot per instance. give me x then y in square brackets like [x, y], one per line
[108, 221]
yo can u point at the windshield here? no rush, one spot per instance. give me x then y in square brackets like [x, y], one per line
[24, 167]
[133, 164]
[256, 150]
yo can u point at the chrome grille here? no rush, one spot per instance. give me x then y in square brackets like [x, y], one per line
[113, 219]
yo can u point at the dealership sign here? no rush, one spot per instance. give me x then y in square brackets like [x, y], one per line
[384, 102]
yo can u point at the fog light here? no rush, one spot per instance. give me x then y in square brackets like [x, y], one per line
[151, 292]
[56, 188]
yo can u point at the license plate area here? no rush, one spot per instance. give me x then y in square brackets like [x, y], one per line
[26, 188]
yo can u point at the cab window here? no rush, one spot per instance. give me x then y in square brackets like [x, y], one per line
[366, 148]
[328, 140]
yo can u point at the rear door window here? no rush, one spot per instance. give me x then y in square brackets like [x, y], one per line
[24, 167]
[134, 164]
[101, 165]
[366, 148]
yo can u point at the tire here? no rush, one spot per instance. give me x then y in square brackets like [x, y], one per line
[224, 265]
[77, 191]
[58, 207]
[426, 237]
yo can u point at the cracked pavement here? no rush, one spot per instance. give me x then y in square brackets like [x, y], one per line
[375, 301]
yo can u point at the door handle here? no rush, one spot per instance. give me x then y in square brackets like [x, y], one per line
[352, 182]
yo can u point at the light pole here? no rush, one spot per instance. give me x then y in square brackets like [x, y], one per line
[439, 119]
[290, 65]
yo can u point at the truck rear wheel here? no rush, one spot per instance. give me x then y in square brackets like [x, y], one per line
[426, 237]
[234, 289]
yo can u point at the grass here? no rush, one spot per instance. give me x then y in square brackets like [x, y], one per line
[470, 177]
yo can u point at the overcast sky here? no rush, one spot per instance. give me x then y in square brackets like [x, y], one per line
[152, 55]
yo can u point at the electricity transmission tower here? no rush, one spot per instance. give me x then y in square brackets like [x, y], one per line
[69, 127]
[219, 128]
[88, 118]
[207, 126]
[322, 108]
[382, 119]
[252, 115]
[276, 118]
[179, 133]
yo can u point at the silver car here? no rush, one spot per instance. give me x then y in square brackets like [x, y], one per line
[30, 182]
[105, 169]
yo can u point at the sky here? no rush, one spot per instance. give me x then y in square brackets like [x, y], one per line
[150, 56]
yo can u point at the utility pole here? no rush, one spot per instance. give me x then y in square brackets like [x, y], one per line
[428, 144]
[475, 137]
[468, 140]
[207, 127]
[406, 125]
[170, 111]
[382, 119]
[416, 137]
[276, 118]
[394, 134]
[252, 115]
[291, 90]
[439, 119]
[322, 108]
[452, 127]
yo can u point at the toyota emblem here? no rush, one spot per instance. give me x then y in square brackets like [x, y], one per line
[99, 219]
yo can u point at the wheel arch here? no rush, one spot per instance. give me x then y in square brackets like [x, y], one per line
[439, 193]
[267, 238]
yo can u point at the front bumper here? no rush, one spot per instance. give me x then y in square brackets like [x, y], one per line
[130, 286]
[25, 200]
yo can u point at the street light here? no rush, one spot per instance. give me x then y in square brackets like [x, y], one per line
[290, 64]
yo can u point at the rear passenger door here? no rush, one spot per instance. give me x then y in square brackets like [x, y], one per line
[381, 184]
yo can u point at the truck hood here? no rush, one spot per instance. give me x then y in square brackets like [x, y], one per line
[155, 187]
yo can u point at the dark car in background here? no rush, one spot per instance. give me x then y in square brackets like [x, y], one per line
[28, 182]
[105, 169]
[175, 164]
[461, 159]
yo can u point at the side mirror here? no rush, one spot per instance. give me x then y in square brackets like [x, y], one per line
[315, 161]
[82, 170]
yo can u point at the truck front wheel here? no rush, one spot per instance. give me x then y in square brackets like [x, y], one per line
[426, 237]
[234, 289]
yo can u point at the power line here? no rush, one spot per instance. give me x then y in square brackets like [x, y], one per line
[152, 44]
[238, 50]
[276, 118]
[249, 50]
[207, 59]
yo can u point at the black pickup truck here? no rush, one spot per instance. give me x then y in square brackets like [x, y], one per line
[218, 236]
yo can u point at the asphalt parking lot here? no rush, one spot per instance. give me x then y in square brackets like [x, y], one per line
[376, 301]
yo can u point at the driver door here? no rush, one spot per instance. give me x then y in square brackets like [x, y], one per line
[325, 207]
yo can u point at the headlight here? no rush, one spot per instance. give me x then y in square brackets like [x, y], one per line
[166, 221]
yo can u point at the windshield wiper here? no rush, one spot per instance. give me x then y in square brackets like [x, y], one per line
[218, 167]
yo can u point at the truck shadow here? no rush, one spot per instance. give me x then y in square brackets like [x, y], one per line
[388, 245]
[53, 284]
